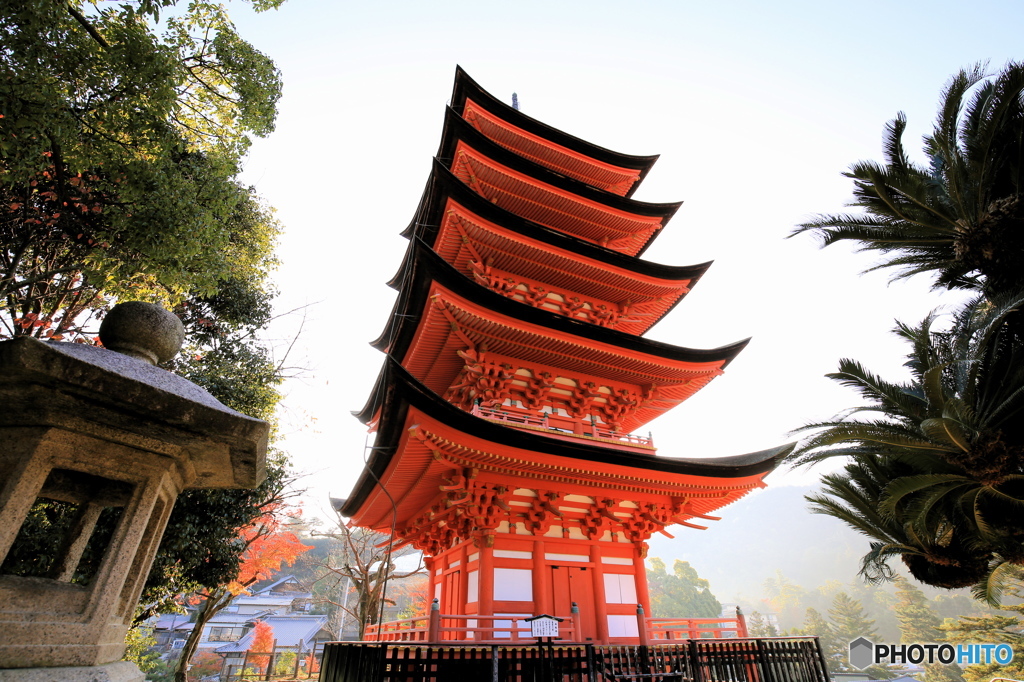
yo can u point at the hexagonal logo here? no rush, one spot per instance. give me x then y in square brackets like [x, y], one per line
[862, 653]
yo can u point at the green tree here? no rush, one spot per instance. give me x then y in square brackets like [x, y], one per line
[959, 217]
[936, 473]
[121, 132]
[683, 594]
[815, 625]
[919, 624]
[759, 625]
[118, 153]
[785, 597]
[848, 622]
[994, 629]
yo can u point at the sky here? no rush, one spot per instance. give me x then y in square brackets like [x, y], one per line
[755, 108]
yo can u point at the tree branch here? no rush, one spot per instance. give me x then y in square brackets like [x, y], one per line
[90, 29]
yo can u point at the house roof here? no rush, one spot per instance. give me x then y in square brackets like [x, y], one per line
[175, 621]
[269, 588]
[289, 631]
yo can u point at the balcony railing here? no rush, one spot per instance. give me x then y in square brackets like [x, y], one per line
[438, 627]
[473, 628]
[561, 426]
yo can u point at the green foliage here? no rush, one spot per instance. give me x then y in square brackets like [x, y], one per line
[918, 623]
[683, 594]
[119, 149]
[201, 546]
[988, 630]
[994, 629]
[138, 648]
[284, 664]
[937, 463]
[849, 622]
[815, 625]
[937, 468]
[760, 626]
[118, 153]
[958, 218]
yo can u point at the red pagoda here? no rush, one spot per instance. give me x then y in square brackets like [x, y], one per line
[516, 372]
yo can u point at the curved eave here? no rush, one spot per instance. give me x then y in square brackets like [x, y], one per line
[396, 391]
[442, 185]
[422, 266]
[466, 87]
[457, 129]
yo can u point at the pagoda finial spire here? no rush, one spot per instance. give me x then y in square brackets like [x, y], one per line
[515, 101]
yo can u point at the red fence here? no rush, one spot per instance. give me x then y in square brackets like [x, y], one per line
[438, 628]
[450, 628]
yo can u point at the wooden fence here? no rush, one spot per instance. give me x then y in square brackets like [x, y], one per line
[274, 665]
[776, 659]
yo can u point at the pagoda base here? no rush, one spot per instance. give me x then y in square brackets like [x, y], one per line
[512, 572]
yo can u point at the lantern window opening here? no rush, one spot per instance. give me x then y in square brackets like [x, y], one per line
[68, 529]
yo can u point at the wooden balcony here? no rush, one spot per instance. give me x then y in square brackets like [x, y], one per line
[563, 427]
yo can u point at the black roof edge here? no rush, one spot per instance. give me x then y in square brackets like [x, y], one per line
[443, 183]
[465, 86]
[422, 265]
[457, 128]
[403, 390]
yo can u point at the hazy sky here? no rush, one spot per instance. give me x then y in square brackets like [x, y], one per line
[756, 109]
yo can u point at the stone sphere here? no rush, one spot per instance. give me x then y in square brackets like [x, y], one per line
[142, 330]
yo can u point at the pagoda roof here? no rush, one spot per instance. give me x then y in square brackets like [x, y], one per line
[440, 311]
[536, 193]
[560, 152]
[460, 225]
[416, 424]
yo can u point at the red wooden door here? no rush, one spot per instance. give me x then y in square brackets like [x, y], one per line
[453, 602]
[575, 584]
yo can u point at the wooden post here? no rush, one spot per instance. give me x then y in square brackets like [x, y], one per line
[741, 624]
[485, 583]
[543, 593]
[574, 618]
[641, 624]
[600, 604]
[434, 624]
[270, 661]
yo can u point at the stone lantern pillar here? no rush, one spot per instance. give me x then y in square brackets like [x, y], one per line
[95, 445]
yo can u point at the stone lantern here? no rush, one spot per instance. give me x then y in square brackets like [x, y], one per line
[95, 445]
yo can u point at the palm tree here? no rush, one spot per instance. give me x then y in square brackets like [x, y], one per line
[961, 217]
[934, 550]
[937, 470]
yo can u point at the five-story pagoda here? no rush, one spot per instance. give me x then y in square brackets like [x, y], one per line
[516, 372]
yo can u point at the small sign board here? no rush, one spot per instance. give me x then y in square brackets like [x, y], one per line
[543, 625]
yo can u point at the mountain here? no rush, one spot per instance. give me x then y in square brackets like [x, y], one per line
[769, 531]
